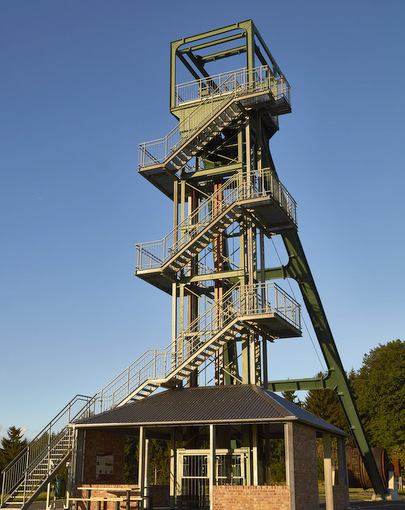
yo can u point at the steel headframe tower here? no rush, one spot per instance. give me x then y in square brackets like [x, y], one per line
[217, 168]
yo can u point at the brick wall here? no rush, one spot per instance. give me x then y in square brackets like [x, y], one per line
[248, 497]
[98, 443]
[160, 495]
[305, 468]
[340, 497]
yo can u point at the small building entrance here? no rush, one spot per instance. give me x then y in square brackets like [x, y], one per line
[232, 467]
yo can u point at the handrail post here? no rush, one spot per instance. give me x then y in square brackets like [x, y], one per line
[25, 485]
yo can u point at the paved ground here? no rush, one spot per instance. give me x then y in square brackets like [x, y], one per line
[374, 505]
[354, 505]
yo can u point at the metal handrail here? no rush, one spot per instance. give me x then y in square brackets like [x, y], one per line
[236, 84]
[31, 455]
[155, 364]
[196, 90]
[154, 254]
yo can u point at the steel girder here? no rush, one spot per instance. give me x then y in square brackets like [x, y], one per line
[298, 269]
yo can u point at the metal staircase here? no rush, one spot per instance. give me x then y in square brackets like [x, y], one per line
[161, 159]
[26, 476]
[241, 307]
[48, 464]
[237, 196]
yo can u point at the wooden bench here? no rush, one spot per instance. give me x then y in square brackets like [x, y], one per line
[118, 499]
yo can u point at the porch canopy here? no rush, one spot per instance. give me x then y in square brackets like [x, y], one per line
[209, 405]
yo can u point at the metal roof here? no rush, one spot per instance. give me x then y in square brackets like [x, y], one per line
[207, 404]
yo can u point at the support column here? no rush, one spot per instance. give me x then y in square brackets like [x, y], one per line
[267, 457]
[255, 456]
[174, 285]
[245, 359]
[212, 464]
[146, 477]
[342, 463]
[289, 462]
[264, 365]
[76, 468]
[172, 469]
[141, 464]
[327, 463]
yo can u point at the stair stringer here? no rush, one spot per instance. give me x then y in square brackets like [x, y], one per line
[206, 350]
[190, 147]
[233, 209]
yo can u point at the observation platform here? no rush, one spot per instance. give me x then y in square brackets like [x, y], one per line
[273, 325]
[204, 116]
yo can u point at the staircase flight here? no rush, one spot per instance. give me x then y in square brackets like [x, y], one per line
[235, 197]
[261, 306]
[161, 159]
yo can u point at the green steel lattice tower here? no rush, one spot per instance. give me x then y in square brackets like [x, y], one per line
[216, 167]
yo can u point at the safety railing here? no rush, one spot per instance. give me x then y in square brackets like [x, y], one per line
[157, 364]
[223, 83]
[153, 364]
[154, 254]
[40, 446]
[234, 84]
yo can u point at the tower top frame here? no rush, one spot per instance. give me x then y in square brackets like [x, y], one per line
[194, 52]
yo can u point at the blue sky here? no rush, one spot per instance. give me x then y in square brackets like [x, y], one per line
[84, 82]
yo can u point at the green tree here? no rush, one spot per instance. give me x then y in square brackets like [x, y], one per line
[291, 397]
[159, 461]
[11, 446]
[379, 388]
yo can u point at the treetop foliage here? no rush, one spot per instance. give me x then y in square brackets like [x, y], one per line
[11, 446]
[379, 388]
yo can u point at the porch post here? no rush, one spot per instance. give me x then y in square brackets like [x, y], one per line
[342, 462]
[327, 462]
[289, 461]
[146, 482]
[255, 456]
[212, 465]
[172, 469]
[141, 470]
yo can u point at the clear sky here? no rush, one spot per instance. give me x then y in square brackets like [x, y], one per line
[84, 82]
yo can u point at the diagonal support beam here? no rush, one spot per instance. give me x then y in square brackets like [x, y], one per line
[298, 269]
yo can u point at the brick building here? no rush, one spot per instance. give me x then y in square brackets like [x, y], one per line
[235, 425]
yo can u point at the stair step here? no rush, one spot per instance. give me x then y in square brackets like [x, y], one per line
[171, 167]
[208, 129]
[234, 108]
[187, 152]
[225, 117]
[218, 121]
